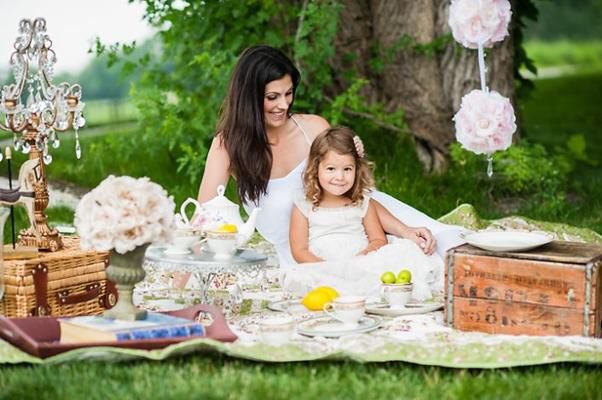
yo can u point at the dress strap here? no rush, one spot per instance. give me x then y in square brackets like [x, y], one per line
[302, 130]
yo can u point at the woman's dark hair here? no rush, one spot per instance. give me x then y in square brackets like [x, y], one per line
[241, 120]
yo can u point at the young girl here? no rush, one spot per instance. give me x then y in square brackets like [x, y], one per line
[335, 232]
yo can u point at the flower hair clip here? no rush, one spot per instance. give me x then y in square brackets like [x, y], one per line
[359, 146]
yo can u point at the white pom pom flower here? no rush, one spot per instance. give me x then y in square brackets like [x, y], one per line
[485, 122]
[479, 21]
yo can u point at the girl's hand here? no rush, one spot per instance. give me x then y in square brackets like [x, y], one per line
[423, 238]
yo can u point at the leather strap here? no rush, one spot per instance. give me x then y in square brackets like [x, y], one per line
[110, 297]
[92, 291]
[40, 284]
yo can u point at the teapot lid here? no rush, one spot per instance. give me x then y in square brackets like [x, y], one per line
[220, 201]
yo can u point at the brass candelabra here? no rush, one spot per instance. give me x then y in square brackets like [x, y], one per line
[36, 114]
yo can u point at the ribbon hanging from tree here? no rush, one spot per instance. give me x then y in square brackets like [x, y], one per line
[485, 122]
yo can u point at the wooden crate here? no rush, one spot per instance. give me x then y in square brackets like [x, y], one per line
[63, 283]
[552, 290]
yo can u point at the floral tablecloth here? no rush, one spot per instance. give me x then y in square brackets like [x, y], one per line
[419, 339]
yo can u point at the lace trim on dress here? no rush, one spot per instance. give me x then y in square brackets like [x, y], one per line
[306, 207]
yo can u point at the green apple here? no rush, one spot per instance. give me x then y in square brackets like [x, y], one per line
[388, 277]
[404, 276]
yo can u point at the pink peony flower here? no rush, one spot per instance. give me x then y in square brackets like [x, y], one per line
[123, 213]
[474, 21]
[485, 122]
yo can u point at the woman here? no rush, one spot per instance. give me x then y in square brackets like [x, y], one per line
[264, 146]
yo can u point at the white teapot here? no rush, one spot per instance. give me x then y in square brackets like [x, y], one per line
[218, 211]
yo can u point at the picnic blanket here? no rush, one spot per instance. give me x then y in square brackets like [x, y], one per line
[420, 339]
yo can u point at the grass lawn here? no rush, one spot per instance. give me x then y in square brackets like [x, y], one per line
[214, 376]
[559, 108]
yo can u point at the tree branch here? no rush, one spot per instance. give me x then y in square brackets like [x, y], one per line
[376, 121]
[299, 29]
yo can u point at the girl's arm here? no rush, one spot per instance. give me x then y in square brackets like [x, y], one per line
[299, 238]
[216, 170]
[421, 236]
[374, 230]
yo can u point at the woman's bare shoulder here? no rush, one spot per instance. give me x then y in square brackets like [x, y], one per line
[313, 124]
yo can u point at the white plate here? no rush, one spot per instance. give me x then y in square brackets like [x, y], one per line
[410, 308]
[65, 229]
[176, 252]
[327, 326]
[507, 240]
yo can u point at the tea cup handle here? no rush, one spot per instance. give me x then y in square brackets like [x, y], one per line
[327, 309]
[186, 202]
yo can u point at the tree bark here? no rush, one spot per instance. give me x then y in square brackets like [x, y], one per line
[429, 88]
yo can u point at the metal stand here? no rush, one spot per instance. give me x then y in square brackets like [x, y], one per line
[201, 264]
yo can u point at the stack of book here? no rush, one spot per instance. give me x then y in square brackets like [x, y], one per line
[155, 326]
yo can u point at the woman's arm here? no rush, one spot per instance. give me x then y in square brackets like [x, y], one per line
[299, 238]
[216, 170]
[216, 173]
[374, 230]
[421, 236]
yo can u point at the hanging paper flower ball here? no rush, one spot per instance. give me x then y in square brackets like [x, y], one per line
[474, 21]
[485, 122]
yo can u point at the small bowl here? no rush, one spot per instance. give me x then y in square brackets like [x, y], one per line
[276, 330]
[223, 244]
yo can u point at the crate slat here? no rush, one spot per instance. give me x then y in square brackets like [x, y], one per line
[553, 290]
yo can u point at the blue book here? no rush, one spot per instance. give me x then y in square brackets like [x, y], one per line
[100, 329]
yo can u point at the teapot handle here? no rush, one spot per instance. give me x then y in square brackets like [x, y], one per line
[186, 202]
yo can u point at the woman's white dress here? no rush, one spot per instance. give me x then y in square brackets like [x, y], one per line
[337, 235]
[274, 218]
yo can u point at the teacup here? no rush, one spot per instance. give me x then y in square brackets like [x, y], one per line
[347, 309]
[183, 239]
[397, 295]
[223, 244]
[277, 330]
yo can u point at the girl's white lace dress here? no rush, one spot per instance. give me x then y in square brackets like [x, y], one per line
[337, 235]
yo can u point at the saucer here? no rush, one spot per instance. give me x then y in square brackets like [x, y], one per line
[409, 309]
[327, 326]
[291, 306]
[175, 252]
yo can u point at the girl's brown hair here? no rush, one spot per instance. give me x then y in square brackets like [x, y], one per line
[339, 140]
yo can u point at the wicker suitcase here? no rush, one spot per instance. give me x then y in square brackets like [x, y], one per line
[552, 290]
[63, 283]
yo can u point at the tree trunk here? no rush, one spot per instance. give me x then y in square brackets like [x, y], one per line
[429, 88]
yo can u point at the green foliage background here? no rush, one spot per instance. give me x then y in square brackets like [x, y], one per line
[182, 87]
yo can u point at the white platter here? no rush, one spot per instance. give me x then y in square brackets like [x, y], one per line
[409, 309]
[327, 326]
[507, 240]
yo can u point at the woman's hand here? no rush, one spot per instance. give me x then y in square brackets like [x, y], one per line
[423, 238]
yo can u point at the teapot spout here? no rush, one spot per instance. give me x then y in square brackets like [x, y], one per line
[246, 230]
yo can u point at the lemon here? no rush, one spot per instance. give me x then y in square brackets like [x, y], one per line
[315, 300]
[388, 277]
[404, 276]
[331, 292]
[227, 228]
